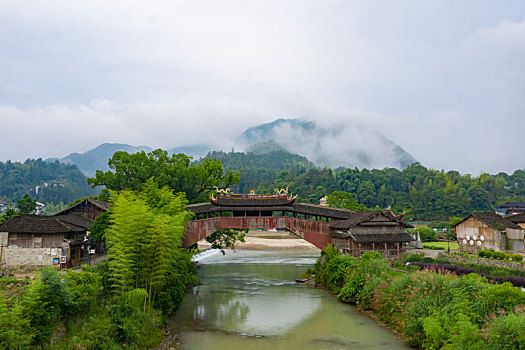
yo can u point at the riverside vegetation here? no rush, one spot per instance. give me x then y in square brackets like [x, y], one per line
[431, 310]
[122, 302]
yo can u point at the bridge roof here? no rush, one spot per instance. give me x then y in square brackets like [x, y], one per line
[251, 200]
[322, 210]
[303, 208]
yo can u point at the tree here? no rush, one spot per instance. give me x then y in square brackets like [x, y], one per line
[196, 179]
[427, 234]
[366, 194]
[8, 214]
[225, 238]
[98, 230]
[26, 205]
[144, 240]
[479, 198]
[341, 199]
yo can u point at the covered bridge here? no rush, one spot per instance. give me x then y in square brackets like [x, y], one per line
[352, 232]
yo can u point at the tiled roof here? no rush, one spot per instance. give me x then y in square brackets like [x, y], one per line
[252, 200]
[39, 224]
[512, 205]
[517, 219]
[493, 220]
[77, 220]
[358, 217]
[100, 204]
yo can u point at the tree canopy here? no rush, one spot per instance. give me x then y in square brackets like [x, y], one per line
[422, 193]
[345, 200]
[178, 172]
[46, 182]
[26, 204]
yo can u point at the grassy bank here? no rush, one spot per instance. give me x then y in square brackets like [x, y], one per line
[441, 245]
[80, 310]
[431, 310]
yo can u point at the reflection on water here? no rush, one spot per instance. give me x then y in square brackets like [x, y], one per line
[249, 300]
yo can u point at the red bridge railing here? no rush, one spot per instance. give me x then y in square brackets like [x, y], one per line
[315, 232]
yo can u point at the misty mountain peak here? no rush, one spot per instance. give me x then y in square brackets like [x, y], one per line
[343, 144]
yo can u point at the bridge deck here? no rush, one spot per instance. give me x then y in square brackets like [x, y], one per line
[315, 232]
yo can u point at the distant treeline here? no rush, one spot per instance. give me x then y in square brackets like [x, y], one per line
[423, 193]
[46, 182]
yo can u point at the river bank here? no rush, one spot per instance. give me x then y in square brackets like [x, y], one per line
[429, 309]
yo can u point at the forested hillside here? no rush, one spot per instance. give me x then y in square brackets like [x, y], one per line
[423, 193]
[46, 182]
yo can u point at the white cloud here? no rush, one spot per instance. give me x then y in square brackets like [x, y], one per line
[75, 74]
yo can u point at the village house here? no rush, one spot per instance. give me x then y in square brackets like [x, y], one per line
[43, 240]
[3, 206]
[518, 219]
[511, 208]
[365, 231]
[490, 231]
[89, 208]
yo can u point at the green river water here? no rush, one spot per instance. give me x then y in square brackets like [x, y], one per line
[249, 300]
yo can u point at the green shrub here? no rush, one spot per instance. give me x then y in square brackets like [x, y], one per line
[416, 257]
[427, 234]
[362, 280]
[332, 269]
[516, 257]
[485, 253]
[497, 297]
[500, 255]
[507, 332]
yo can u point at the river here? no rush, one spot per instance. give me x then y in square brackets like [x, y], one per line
[249, 300]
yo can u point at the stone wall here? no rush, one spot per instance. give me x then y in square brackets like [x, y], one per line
[482, 261]
[3, 245]
[31, 256]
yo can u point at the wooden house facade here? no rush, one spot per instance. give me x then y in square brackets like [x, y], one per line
[367, 231]
[490, 231]
[89, 208]
[43, 240]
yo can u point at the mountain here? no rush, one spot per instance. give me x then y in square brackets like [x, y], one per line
[342, 145]
[278, 160]
[97, 158]
[44, 181]
[336, 146]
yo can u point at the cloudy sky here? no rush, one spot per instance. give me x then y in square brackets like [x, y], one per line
[443, 79]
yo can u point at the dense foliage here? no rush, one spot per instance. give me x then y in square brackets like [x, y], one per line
[144, 241]
[432, 310]
[423, 193]
[26, 204]
[122, 302]
[178, 172]
[45, 182]
[87, 313]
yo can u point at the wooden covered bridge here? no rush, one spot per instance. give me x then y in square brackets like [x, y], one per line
[352, 232]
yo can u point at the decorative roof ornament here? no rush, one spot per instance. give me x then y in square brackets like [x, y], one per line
[282, 190]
